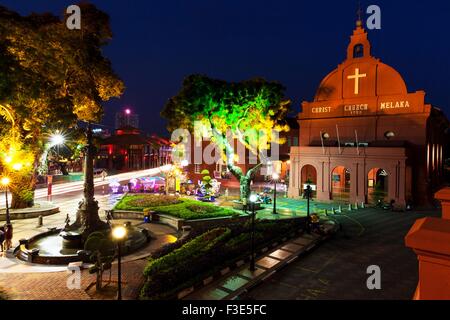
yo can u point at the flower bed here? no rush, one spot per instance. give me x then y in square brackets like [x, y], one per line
[174, 206]
[141, 202]
[180, 265]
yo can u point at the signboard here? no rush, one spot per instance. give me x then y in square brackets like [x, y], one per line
[364, 106]
[313, 186]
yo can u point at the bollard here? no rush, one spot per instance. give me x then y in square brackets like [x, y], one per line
[356, 205]
[333, 210]
[40, 221]
[362, 205]
[340, 209]
[349, 207]
[326, 212]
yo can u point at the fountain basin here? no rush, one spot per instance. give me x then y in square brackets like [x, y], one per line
[58, 247]
[71, 240]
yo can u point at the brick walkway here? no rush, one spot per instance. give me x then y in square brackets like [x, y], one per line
[53, 285]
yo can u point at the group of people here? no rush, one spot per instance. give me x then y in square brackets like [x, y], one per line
[6, 234]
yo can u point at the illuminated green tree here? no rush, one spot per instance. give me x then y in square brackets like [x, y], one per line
[249, 111]
[50, 78]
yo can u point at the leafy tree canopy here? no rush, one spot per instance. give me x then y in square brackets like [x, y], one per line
[243, 109]
[252, 111]
[50, 77]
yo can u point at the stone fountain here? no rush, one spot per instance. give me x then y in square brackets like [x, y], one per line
[62, 246]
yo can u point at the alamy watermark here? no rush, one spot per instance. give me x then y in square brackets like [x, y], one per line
[248, 147]
[374, 20]
[73, 21]
[374, 280]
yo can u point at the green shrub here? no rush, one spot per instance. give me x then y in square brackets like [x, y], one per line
[203, 255]
[165, 275]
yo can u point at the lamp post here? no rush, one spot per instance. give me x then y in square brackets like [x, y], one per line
[127, 113]
[308, 192]
[253, 199]
[119, 234]
[275, 177]
[5, 183]
[56, 140]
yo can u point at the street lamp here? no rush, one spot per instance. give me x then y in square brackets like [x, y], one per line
[308, 194]
[184, 163]
[119, 233]
[5, 183]
[57, 140]
[127, 113]
[253, 199]
[275, 178]
[17, 166]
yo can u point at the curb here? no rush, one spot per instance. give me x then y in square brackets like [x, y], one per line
[269, 272]
[284, 263]
[233, 266]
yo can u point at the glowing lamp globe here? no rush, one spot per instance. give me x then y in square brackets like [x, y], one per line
[119, 232]
[5, 181]
[253, 198]
[57, 139]
[184, 163]
[17, 166]
[127, 111]
[275, 176]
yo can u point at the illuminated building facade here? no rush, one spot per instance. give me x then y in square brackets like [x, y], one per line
[365, 138]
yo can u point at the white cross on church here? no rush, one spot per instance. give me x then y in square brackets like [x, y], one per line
[356, 76]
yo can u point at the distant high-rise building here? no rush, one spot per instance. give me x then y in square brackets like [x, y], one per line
[127, 118]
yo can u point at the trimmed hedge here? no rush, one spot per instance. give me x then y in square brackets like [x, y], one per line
[174, 206]
[169, 272]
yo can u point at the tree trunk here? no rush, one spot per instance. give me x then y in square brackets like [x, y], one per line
[18, 203]
[22, 192]
[63, 168]
[244, 187]
[87, 219]
[244, 179]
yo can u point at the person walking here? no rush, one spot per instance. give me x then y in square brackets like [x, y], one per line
[104, 175]
[8, 237]
[2, 238]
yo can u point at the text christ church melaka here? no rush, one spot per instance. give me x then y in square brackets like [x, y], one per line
[365, 138]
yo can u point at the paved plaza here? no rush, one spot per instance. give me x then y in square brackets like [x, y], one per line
[288, 208]
[337, 269]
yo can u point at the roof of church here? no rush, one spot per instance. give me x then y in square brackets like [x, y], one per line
[380, 79]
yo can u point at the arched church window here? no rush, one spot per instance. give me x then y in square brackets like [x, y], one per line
[358, 51]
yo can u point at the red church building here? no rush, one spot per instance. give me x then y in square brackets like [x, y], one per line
[365, 136]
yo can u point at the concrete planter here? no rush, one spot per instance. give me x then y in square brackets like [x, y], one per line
[41, 209]
[178, 223]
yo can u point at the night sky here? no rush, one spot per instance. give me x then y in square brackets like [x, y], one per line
[157, 43]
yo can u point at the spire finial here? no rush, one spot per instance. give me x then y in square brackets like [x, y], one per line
[359, 15]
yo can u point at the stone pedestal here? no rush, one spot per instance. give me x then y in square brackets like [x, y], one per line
[430, 240]
[444, 197]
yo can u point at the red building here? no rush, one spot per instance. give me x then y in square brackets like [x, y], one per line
[219, 170]
[128, 150]
[364, 135]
